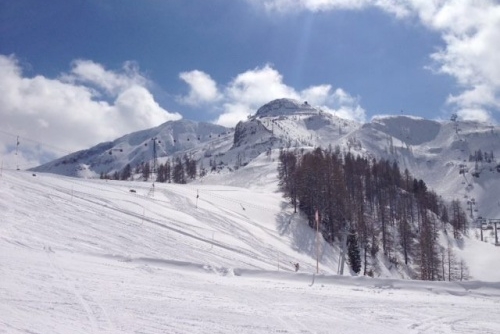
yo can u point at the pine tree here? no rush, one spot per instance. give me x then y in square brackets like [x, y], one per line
[178, 174]
[160, 176]
[138, 168]
[458, 219]
[146, 171]
[429, 260]
[189, 167]
[168, 171]
[385, 208]
[464, 271]
[287, 168]
[126, 172]
[406, 236]
[353, 252]
[203, 171]
[445, 218]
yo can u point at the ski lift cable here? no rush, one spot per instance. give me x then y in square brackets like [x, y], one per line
[19, 143]
[43, 144]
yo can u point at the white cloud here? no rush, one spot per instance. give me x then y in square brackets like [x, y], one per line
[251, 89]
[469, 28]
[478, 115]
[472, 35]
[396, 7]
[67, 113]
[338, 102]
[138, 109]
[93, 74]
[203, 88]
[9, 158]
[316, 95]
[91, 104]
[233, 113]
[258, 86]
[482, 93]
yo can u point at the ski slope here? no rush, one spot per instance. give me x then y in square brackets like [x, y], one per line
[439, 152]
[214, 256]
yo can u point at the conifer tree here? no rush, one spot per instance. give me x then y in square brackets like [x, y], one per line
[146, 171]
[458, 219]
[374, 198]
[168, 171]
[189, 167]
[126, 172]
[160, 177]
[178, 174]
[353, 252]
[288, 180]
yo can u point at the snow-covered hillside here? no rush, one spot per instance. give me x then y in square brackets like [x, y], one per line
[174, 138]
[436, 151]
[439, 153]
[92, 256]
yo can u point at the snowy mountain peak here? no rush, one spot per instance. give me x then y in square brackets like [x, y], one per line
[458, 159]
[281, 107]
[167, 140]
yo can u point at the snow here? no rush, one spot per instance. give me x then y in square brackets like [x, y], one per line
[434, 151]
[285, 107]
[171, 139]
[81, 255]
[90, 256]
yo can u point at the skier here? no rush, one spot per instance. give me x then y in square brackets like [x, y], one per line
[296, 266]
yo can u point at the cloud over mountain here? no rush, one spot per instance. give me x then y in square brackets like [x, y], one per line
[203, 89]
[249, 90]
[470, 30]
[88, 105]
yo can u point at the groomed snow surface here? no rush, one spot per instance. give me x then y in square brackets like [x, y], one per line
[90, 256]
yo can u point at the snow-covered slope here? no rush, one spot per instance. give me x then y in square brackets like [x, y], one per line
[171, 139]
[90, 256]
[83, 255]
[278, 124]
[300, 125]
[439, 153]
[436, 151]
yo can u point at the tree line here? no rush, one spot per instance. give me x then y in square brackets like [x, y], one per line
[480, 156]
[177, 170]
[375, 207]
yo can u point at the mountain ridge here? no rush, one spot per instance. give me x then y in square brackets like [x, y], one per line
[435, 151]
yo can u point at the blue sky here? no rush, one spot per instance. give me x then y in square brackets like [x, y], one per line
[111, 67]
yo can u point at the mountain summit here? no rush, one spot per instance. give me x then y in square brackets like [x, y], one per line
[281, 107]
[456, 158]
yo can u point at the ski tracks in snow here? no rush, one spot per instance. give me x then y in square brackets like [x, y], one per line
[464, 323]
[294, 326]
[95, 313]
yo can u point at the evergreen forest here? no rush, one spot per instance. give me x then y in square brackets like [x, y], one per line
[370, 206]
